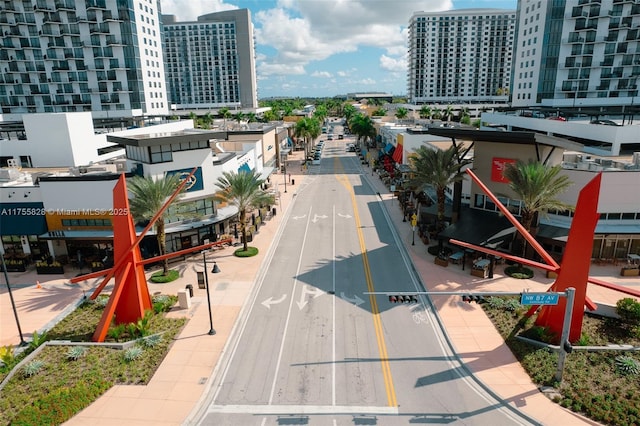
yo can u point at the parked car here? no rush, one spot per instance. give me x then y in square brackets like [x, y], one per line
[606, 122]
[330, 137]
[557, 118]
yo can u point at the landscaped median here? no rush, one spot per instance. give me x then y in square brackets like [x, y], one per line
[62, 372]
[602, 373]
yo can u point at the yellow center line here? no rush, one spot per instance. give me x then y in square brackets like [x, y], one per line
[377, 322]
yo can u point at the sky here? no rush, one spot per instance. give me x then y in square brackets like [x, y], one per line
[323, 48]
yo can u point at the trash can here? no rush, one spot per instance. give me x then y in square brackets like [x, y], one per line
[273, 211]
[293, 182]
[189, 287]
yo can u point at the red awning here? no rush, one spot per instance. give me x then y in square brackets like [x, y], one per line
[397, 154]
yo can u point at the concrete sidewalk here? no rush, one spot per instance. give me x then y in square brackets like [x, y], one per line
[178, 385]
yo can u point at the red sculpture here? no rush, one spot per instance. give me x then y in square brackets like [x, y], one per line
[130, 297]
[574, 270]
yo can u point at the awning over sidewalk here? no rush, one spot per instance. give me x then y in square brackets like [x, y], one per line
[266, 172]
[479, 227]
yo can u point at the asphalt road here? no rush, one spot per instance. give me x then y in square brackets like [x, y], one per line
[313, 348]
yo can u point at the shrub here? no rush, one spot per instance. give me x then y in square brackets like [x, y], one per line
[132, 354]
[116, 331]
[627, 365]
[6, 355]
[101, 301]
[159, 277]
[584, 340]
[76, 352]
[251, 251]
[518, 272]
[151, 341]
[629, 311]
[142, 325]
[163, 303]
[32, 368]
[37, 339]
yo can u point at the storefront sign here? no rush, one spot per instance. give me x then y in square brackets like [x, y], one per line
[195, 181]
[498, 165]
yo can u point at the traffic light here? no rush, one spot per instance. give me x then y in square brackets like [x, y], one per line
[477, 298]
[403, 298]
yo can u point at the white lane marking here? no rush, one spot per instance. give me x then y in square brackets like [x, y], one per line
[315, 292]
[333, 307]
[270, 301]
[318, 216]
[300, 409]
[355, 300]
[286, 324]
[298, 217]
[346, 216]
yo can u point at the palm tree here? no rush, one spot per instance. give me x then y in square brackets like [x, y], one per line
[149, 197]
[401, 113]
[349, 111]
[425, 112]
[448, 112]
[251, 117]
[438, 168]
[362, 126]
[225, 114]
[307, 128]
[243, 190]
[238, 117]
[538, 186]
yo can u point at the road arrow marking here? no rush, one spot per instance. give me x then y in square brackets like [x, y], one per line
[346, 216]
[267, 303]
[315, 292]
[356, 300]
[299, 217]
[315, 217]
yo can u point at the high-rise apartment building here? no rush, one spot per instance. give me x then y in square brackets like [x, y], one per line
[460, 56]
[103, 56]
[577, 53]
[210, 63]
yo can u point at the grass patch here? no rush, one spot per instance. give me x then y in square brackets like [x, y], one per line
[251, 251]
[159, 277]
[68, 379]
[599, 385]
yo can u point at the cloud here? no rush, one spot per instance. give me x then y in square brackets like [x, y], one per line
[305, 31]
[190, 10]
[393, 64]
[321, 74]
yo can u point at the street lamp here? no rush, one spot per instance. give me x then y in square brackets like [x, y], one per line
[215, 270]
[285, 176]
[13, 303]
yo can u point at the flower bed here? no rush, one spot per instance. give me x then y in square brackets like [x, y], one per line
[49, 268]
[630, 272]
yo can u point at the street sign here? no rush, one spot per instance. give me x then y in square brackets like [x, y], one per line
[539, 298]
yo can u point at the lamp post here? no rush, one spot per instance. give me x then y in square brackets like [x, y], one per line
[215, 270]
[13, 303]
[285, 176]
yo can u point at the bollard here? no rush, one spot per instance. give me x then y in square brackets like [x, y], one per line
[293, 182]
[273, 211]
[189, 288]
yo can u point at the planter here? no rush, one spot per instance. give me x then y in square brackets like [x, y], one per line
[628, 272]
[480, 273]
[551, 274]
[15, 268]
[441, 262]
[47, 270]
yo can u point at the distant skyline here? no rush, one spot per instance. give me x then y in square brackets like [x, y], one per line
[317, 48]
